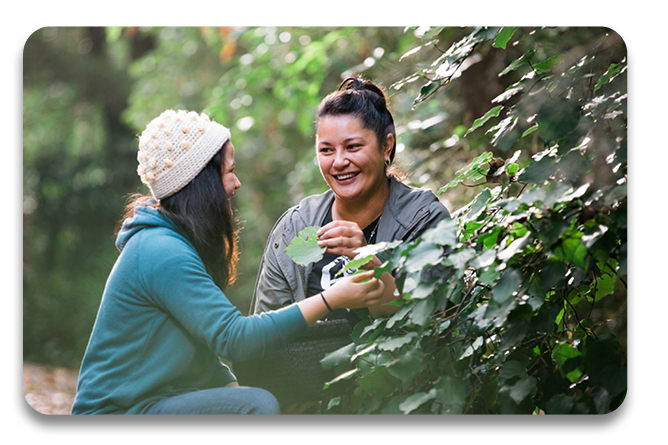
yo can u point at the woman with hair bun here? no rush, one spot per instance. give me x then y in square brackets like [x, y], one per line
[365, 204]
[164, 319]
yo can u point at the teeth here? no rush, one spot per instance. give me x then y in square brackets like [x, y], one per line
[344, 177]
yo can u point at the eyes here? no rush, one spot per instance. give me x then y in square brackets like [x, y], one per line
[326, 149]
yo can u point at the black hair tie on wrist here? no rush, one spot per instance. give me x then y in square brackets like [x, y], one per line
[326, 304]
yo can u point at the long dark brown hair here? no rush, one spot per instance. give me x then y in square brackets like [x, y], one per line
[204, 213]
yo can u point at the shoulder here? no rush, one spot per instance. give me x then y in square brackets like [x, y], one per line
[161, 250]
[409, 200]
[309, 212]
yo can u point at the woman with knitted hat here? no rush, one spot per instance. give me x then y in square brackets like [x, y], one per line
[164, 320]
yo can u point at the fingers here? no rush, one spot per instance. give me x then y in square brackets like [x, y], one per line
[337, 229]
[338, 224]
[341, 238]
[372, 286]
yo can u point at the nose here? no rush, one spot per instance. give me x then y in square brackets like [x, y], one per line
[340, 159]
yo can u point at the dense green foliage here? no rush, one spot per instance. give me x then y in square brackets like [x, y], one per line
[521, 131]
[522, 325]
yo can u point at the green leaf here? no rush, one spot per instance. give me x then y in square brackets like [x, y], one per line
[507, 285]
[610, 74]
[444, 234]
[502, 38]
[485, 259]
[545, 66]
[539, 171]
[451, 392]
[478, 205]
[510, 372]
[508, 131]
[494, 112]
[529, 131]
[526, 57]
[466, 172]
[416, 400]
[426, 91]
[304, 248]
[605, 285]
[460, 259]
[472, 348]
[345, 376]
[424, 254]
[567, 359]
[397, 342]
[523, 388]
[516, 246]
[431, 33]
[378, 382]
[512, 169]
[514, 333]
[560, 404]
[424, 289]
[571, 249]
[407, 365]
[355, 264]
[341, 355]
[422, 311]
[490, 239]
[556, 118]
[398, 316]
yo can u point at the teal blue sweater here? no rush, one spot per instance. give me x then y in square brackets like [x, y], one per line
[163, 323]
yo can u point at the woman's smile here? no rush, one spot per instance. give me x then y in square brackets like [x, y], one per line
[346, 177]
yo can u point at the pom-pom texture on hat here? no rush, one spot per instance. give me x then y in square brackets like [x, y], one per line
[175, 147]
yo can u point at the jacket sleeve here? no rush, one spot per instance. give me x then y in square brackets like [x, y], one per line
[176, 280]
[273, 288]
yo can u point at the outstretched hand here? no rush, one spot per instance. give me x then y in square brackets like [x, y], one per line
[355, 291]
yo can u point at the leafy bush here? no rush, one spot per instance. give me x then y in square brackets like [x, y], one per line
[531, 317]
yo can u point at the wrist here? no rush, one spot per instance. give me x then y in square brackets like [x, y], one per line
[329, 299]
[324, 300]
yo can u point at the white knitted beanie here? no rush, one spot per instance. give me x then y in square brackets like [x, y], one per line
[175, 147]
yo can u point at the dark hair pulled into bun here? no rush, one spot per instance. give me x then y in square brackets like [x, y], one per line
[367, 101]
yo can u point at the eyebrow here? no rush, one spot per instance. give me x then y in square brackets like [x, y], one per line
[347, 140]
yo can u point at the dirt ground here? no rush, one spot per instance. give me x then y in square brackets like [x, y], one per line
[49, 390]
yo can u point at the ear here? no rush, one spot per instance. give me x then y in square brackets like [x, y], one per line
[387, 146]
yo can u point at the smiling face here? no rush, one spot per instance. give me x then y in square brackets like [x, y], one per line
[230, 181]
[350, 158]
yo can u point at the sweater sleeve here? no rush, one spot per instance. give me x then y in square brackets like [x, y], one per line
[175, 279]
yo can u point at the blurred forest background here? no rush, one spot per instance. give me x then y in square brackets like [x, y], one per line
[88, 93]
